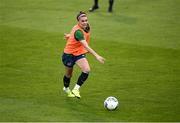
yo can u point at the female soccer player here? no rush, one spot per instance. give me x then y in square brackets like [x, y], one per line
[74, 53]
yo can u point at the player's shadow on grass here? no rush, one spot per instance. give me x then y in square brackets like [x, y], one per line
[74, 103]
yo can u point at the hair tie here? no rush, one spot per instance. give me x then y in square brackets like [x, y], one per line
[81, 15]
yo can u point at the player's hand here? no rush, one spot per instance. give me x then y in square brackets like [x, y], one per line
[66, 36]
[100, 59]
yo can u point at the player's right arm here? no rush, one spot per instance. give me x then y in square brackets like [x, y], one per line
[66, 36]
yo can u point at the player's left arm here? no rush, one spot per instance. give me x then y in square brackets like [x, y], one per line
[89, 49]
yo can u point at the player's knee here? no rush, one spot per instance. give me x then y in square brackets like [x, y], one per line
[68, 75]
[86, 70]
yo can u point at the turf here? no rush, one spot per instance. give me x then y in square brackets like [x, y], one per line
[140, 41]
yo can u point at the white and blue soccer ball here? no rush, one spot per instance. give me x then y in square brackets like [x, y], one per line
[111, 103]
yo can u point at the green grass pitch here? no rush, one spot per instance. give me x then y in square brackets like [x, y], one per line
[140, 41]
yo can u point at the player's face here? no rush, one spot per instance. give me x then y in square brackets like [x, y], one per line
[83, 21]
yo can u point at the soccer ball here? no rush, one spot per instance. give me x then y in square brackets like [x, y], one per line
[111, 103]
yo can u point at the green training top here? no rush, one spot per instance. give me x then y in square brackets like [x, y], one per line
[79, 34]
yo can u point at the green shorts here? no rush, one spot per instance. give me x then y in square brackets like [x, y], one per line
[69, 60]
